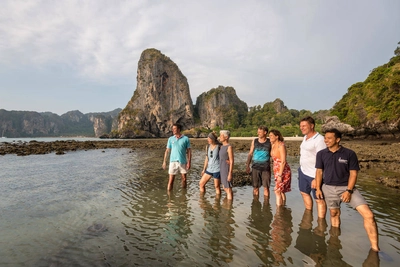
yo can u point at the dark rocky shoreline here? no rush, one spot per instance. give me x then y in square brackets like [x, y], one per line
[379, 159]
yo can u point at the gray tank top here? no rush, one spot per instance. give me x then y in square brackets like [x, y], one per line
[223, 157]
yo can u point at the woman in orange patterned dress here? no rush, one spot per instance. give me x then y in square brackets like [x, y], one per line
[282, 172]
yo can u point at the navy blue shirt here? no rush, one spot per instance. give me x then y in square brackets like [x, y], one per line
[336, 165]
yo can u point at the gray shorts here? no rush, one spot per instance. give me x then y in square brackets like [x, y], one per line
[261, 178]
[333, 193]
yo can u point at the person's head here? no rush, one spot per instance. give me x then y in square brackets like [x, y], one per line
[275, 135]
[176, 128]
[224, 135]
[332, 137]
[307, 125]
[212, 138]
[262, 131]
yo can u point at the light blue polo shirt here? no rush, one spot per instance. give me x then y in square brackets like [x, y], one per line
[178, 148]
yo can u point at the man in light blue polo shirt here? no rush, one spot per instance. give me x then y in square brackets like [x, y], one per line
[181, 156]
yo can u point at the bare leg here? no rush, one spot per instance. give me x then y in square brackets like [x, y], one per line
[283, 196]
[255, 191]
[369, 225]
[171, 182]
[229, 193]
[266, 192]
[203, 181]
[183, 180]
[308, 202]
[217, 185]
[278, 197]
[321, 208]
[335, 217]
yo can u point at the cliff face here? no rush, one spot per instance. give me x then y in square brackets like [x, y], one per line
[161, 98]
[72, 123]
[220, 107]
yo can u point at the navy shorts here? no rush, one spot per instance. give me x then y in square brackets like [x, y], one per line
[305, 184]
[215, 175]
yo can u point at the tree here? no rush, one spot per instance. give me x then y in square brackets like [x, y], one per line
[397, 50]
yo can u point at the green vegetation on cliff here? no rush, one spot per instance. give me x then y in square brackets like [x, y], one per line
[375, 99]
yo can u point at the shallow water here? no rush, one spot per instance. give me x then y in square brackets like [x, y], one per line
[48, 202]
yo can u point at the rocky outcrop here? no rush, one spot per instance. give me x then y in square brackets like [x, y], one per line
[161, 98]
[104, 123]
[220, 107]
[379, 130]
[371, 129]
[334, 122]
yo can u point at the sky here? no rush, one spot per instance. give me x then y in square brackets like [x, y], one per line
[82, 55]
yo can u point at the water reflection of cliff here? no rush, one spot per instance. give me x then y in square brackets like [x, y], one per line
[218, 230]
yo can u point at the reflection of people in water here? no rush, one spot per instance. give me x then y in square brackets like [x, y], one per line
[333, 255]
[372, 259]
[179, 217]
[281, 233]
[312, 242]
[260, 226]
[218, 228]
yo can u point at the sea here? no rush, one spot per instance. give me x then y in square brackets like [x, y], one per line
[110, 207]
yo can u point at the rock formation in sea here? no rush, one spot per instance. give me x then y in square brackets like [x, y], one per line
[161, 98]
[220, 107]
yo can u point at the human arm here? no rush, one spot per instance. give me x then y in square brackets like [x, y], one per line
[282, 154]
[249, 157]
[346, 196]
[167, 151]
[205, 162]
[231, 162]
[189, 158]
[318, 183]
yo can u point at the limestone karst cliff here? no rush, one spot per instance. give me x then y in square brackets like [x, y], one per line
[220, 107]
[161, 98]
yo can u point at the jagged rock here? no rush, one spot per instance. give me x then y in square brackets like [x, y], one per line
[161, 98]
[220, 106]
[334, 122]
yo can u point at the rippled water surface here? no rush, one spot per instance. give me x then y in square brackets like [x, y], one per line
[111, 208]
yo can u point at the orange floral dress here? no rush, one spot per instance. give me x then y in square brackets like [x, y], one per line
[285, 185]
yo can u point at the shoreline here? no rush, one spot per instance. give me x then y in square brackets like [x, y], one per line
[378, 159]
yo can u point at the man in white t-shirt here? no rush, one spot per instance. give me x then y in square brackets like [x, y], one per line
[312, 143]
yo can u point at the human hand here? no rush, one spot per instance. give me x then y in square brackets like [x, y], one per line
[346, 197]
[313, 184]
[319, 194]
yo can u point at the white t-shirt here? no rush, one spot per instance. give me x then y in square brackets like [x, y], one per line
[308, 153]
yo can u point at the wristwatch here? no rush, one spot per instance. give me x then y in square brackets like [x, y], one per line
[349, 190]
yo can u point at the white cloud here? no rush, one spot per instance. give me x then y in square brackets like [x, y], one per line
[264, 49]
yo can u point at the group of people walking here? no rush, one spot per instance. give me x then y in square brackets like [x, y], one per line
[327, 172]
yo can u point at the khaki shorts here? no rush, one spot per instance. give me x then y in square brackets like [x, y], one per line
[176, 167]
[333, 193]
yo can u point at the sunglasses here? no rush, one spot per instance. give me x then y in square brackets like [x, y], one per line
[211, 154]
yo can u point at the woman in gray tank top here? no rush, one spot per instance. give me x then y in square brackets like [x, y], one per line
[226, 163]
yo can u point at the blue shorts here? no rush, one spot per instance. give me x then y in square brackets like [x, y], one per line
[215, 175]
[305, 184]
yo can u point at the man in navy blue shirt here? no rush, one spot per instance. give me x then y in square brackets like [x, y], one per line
[338, 167]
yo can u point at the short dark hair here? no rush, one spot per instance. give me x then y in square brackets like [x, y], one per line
[277, 133]
[177, 126]
[335, 131]
[264, 128]
[308, 119]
